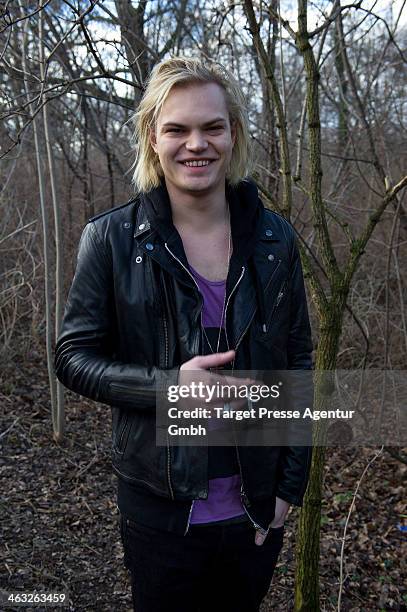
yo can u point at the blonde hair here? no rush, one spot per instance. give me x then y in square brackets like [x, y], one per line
[186, 71]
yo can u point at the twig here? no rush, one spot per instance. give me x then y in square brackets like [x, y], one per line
[11, 427]
[85, 468]
[16, 231]
[341, 579]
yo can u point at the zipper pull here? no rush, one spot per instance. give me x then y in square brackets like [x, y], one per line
[245, 499]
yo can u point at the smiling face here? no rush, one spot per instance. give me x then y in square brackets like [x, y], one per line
[194, 139]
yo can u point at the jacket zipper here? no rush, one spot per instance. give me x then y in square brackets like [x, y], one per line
[168, 443]
[189, 518]
[197, 286]
[226, 308]
[245, 330]
[278, 300]
[279, 297]
[244, 497]
[242, 491]
[166, 339]
[119, 443]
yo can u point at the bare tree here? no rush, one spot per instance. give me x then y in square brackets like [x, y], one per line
[330, 281]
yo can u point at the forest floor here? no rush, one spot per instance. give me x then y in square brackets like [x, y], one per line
[60, 523]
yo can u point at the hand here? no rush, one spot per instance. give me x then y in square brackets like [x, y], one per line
[199, 370]
[282, 508]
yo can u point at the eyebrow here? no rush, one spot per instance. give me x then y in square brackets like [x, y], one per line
[211, 122]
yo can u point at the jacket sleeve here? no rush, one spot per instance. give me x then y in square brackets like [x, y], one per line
[295, 461]
[84, 356]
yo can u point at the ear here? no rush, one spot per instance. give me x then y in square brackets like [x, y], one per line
[153, 138]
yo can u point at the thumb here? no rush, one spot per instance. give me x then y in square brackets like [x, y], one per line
[216, 360]
[259, 538]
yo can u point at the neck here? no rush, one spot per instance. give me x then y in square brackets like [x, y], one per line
[198, 210]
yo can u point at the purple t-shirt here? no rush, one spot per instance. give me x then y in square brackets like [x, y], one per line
[223, 501]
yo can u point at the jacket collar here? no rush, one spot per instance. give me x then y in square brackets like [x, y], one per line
[142, 223]
[154, 214]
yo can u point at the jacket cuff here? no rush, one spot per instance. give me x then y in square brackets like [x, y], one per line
[291, 499]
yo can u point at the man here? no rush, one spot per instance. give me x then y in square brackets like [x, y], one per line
[193, 274]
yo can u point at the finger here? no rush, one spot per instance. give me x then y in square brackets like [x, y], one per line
[259, 538]
[216, 360]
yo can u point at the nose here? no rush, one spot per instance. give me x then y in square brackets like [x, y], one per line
[196, 141]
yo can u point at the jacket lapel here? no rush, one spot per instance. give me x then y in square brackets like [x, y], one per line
[265, 264]
[168, 254]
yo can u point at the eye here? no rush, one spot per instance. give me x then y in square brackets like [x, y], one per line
[215, 128]
[174, 130]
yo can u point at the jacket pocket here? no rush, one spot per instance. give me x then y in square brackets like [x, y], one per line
[263, 332]
[280, 296]
[122, 435]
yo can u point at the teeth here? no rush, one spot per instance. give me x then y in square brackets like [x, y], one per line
[202, 162]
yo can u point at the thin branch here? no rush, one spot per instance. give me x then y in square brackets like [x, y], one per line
[28, 16]
[341, 562]
[16, 231]
[359, 244]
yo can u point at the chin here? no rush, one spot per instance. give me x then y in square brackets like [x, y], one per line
[199, 185]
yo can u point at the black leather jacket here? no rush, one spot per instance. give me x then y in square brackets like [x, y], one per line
[133, 315]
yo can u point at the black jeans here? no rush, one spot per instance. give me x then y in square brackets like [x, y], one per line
[212, 569]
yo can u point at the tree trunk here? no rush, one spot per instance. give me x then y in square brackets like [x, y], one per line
[58, 410]
[308, 532]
